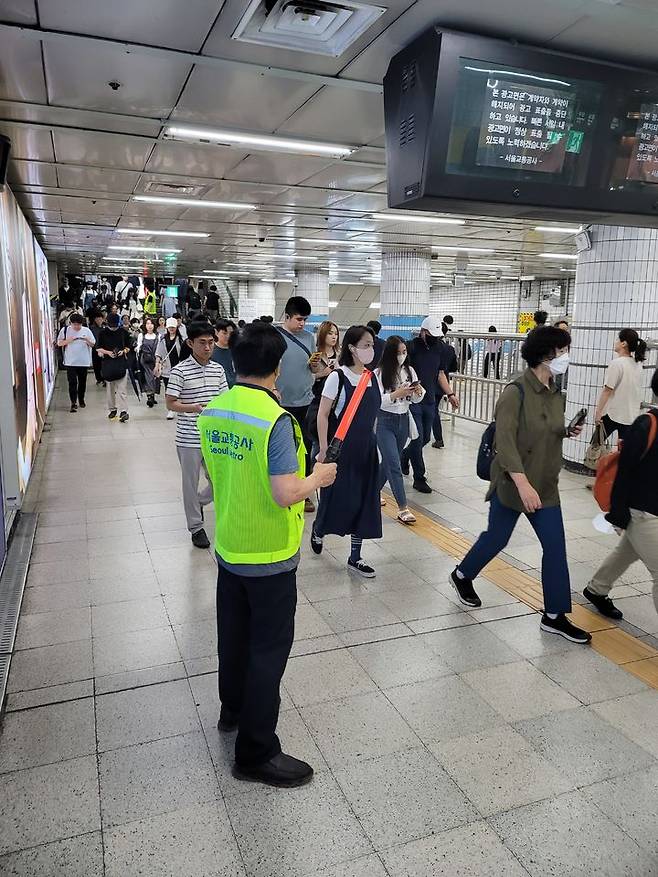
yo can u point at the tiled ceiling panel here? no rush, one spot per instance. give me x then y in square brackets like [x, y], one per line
[18, 11]
[32, 173]
[97, 178]
[34, 143]
[190, 160]
[148, 85]
[21, 71]
[101, 150]
[348, 175]
[339, 115]
[156, 22]
[252, 193]
[240, 99]
[278, 168]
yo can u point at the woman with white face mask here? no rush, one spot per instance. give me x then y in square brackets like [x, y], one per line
[399, 386]
[530, 429]
[351, 504]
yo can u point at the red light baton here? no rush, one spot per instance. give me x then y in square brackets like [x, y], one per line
[333, 451]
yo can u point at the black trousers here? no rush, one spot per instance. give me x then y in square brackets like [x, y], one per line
[611, 426]
[96, 362]
[255, 630]
[77, 377]
[300, 415]
[491, 359]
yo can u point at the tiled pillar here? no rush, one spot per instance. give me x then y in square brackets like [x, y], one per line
[404, 291]
[616, 288]
[259, 299]
[313, 285]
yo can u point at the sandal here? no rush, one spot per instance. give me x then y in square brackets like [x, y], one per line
[406, 517]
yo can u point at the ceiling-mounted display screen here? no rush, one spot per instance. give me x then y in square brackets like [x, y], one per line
[480, 125]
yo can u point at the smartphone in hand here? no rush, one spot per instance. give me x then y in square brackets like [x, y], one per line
[577, 420]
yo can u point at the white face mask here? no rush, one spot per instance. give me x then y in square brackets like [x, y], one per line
[402, 358]
[560, 364]
[365, 356]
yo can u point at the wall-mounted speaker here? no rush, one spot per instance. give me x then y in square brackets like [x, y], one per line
[5, 149]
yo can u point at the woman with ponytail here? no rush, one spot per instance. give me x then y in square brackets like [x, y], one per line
[619, 401]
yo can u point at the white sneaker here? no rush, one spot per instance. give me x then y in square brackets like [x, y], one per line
[171, 415]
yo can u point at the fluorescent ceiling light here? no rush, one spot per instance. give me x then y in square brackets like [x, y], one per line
[443, 283]
[129, 259]
[333, 304]
[275, 279]
[527, 277]
[215, 271]
[274, 143]
[569, 270]
[292, 257]
[414, 217]
[489, 265]
[194, 202]
[122, 268]
[335, 243]
[171, 234]
[144, 249]
[375, 304]
[558, 256]
[553, 229]
[466, 249]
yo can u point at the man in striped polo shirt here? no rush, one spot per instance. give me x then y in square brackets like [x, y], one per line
[192, 384]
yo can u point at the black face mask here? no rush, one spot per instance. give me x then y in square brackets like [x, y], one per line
[431, 340]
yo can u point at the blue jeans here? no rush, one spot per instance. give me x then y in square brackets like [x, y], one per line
[549, 527]
[392, 435]
[424, 417]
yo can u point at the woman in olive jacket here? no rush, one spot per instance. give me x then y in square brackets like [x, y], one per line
[524, 479]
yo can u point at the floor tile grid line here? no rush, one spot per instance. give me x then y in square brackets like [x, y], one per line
[98, 780]
[507, 577]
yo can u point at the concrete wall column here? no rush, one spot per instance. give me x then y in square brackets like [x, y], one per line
[259, 299]
[404, 291]
[313, 285]
[616, 288]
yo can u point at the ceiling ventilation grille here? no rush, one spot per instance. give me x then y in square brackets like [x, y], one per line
[407, 130]
[154, 187]
[316, 26]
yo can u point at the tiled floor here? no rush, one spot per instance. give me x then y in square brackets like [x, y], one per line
[444, 742]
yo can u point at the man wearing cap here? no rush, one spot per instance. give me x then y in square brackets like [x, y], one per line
[427, 356]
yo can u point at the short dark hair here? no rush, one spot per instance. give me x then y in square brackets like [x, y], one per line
[493, 329]
[449, 319]
[541, 344]
[540, 317]
[298, 306]
[199, 328]
[353, 335]
[375, 325]
[654, 383]
[561, 322]
[177, 315]
[113, 321]
[76, 318]
[222, 325]
[258, 350]
[212, 287]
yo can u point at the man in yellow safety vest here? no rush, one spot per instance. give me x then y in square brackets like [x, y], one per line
[254, 453]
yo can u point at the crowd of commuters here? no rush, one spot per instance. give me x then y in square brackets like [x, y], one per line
[256, 408]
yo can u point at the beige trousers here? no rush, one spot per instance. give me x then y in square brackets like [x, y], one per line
[638, 542]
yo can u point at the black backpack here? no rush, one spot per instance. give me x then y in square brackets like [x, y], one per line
[314, 407]
[487, 449]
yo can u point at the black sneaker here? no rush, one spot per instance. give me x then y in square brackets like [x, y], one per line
[282, 771]
[563, 627]
[361, 567]
[200, 539]
[73, 408]
[123, 416]
[112, 415]
[603, 604]
[228, 720]
[316, 542]
[422, 486]
[465, 590]
[83, 404]
[404, 467]
[438, 444]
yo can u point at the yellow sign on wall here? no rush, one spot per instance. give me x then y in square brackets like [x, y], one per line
[526, 322]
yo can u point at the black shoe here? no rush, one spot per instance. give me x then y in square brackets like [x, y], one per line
[465, 590]
[112, 415]
[83, 404]
[361, 567]
[603, 604]
[200, 539]
[422, 486]
[438, 444]
[124, 416]
[73, 408]
[282, 771]
[104, 383]
[316, 542]
[228, 720]
[563, 627]
[404, 467]
[149, 402]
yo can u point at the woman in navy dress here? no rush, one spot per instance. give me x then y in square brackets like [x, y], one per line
[351, 505]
